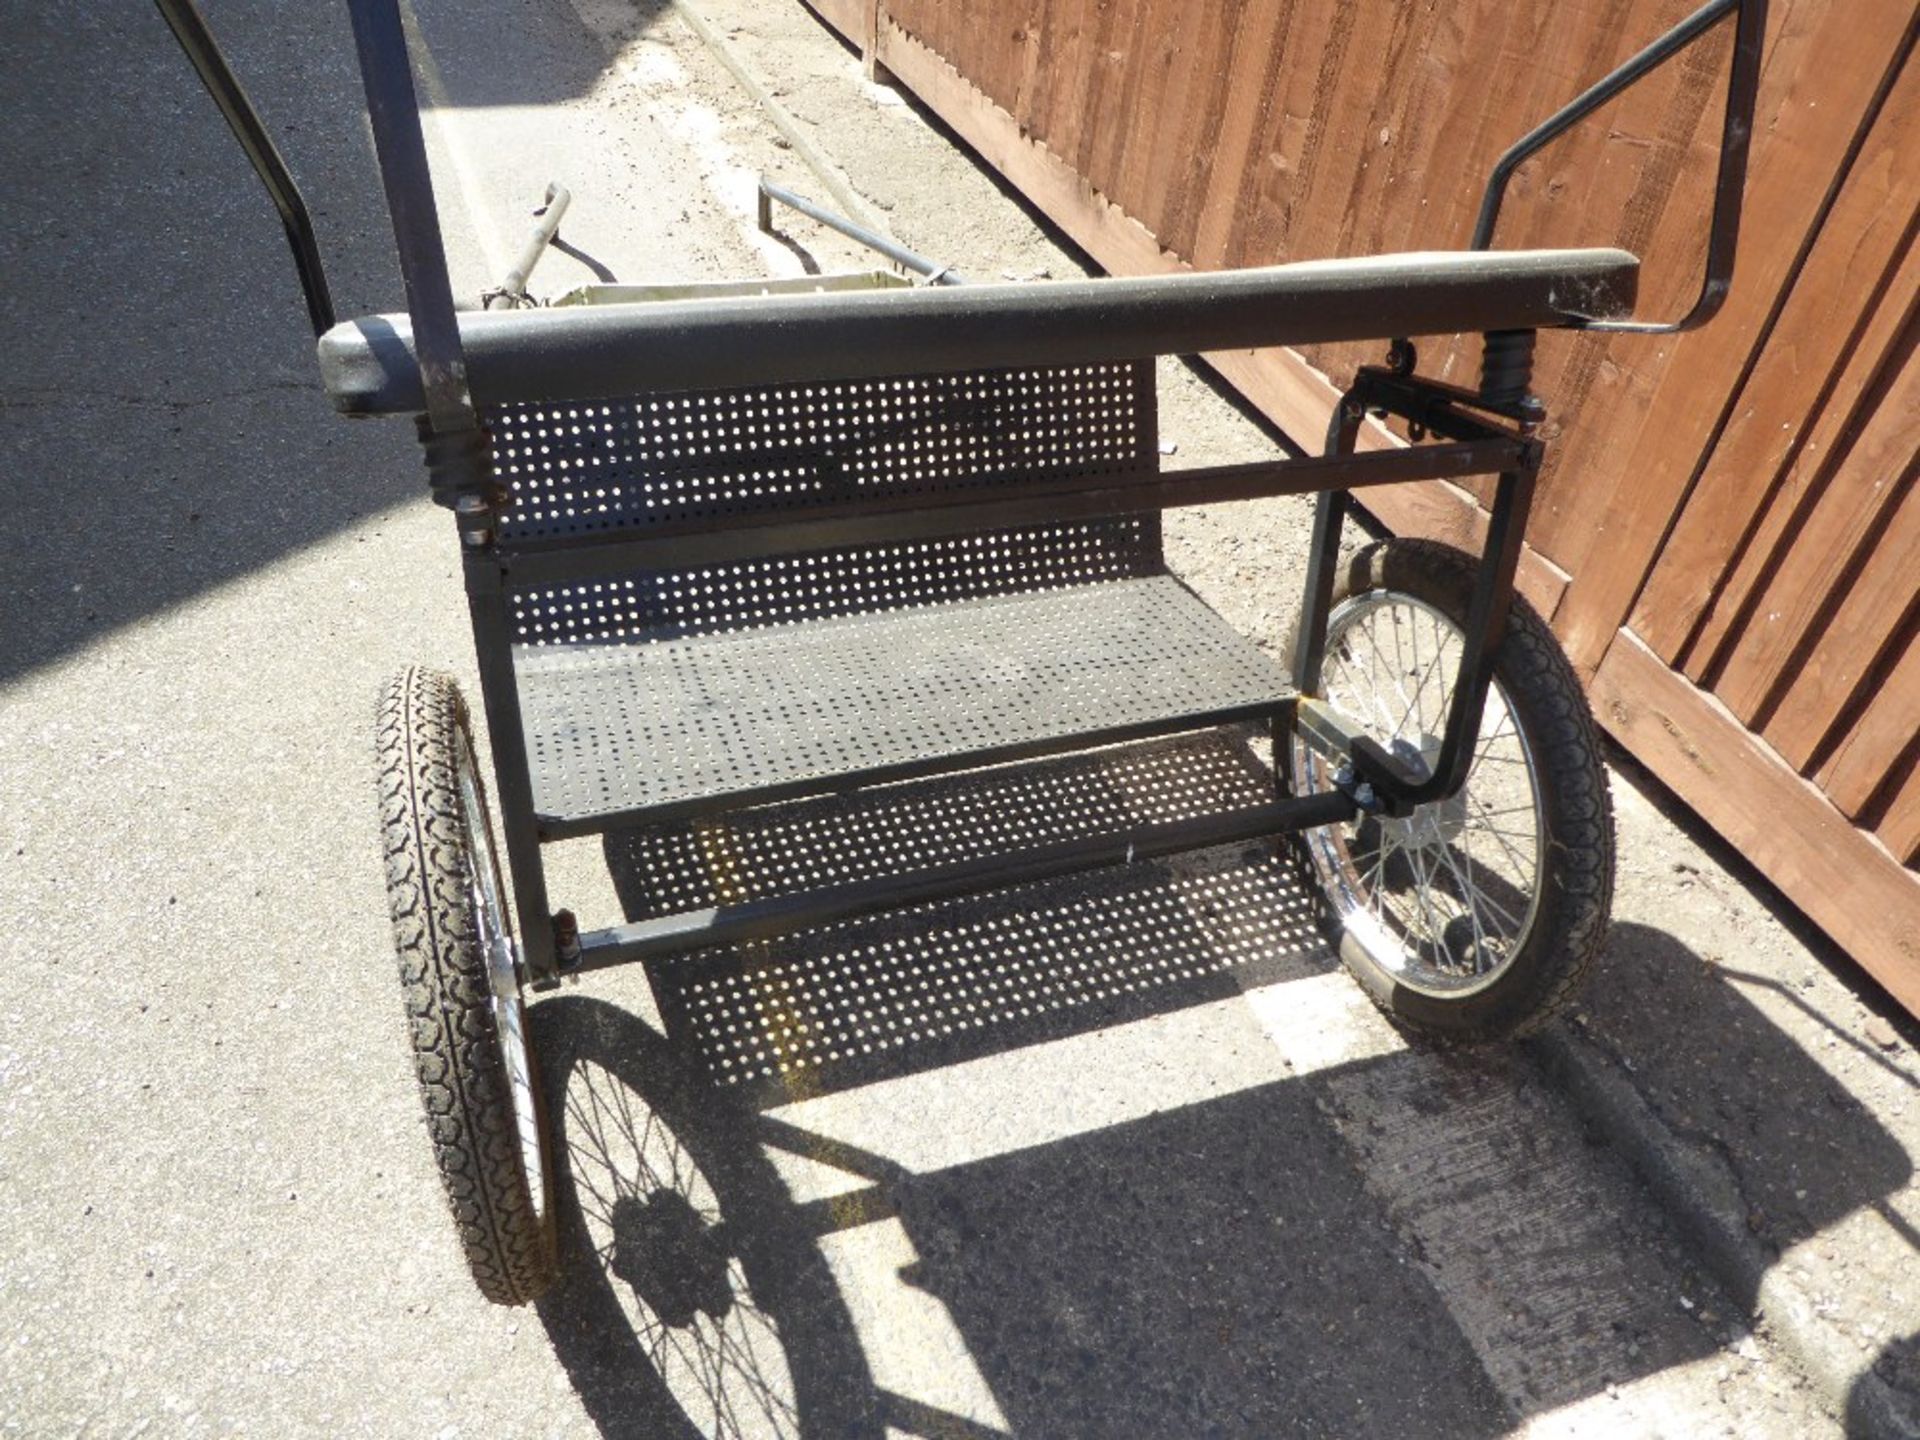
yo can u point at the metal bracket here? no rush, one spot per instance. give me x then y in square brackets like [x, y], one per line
[1377, 780]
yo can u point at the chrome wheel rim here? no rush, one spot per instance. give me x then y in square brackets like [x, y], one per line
[503, 980]
[1445, 899]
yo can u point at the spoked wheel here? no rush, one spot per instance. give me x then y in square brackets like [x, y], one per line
[1478, 915]
[465, 1012]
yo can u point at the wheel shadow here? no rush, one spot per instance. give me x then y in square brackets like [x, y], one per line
[1892, 1405]
[692, 1300]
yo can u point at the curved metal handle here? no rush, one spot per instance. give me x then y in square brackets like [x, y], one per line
[1736, 130]
[189, 27]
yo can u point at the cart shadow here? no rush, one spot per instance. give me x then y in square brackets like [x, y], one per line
[1725, 1078]
[935, 1242]
[1113, 1283]
[1893, 1407]
[167, 433]
[166, 430]
[692, 1300]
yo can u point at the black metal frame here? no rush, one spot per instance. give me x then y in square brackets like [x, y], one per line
[189, 27]
[1736, 130]
[1465, 433]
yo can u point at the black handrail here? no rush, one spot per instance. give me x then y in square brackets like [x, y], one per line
[190, 29]
[1736, 130]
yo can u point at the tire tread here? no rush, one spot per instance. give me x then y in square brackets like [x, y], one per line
[464, 1083]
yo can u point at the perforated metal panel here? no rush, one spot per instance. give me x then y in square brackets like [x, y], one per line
[883, 997]
[623, 466]
[666, 605]
[695, 724]
[783, 849]
[869, 998]
[627, 464]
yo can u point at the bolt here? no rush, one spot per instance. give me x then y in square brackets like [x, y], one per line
[566, 938]
[475, 518]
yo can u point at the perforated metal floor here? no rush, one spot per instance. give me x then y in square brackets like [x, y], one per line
[693, 726]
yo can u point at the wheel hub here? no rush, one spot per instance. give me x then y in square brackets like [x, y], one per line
[675, 1261]
[1437, 823]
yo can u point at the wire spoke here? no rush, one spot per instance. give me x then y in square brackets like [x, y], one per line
[1519, 760]
[1369, 691]
[1432, 669]
[1400, 670]
[1450, 902]
[1481, 827]
[1471, 907]
[1424, 896]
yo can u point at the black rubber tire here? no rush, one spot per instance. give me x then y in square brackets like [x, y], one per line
[1575, 864]
[506, 1229]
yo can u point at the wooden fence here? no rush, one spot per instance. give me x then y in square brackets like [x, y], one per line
[1728, 537]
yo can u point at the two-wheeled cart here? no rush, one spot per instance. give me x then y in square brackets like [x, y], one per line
[732, 545]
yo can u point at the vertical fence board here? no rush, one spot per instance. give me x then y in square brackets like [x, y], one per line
[1865, 480]
[1828, 676]
[1868, 765]
[1899, 829]
[1245, 101]
[1843, 313]
[1824, 68]
[1846, 881]
[1719, 628]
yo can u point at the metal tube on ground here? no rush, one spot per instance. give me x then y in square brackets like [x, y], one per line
[935, 273]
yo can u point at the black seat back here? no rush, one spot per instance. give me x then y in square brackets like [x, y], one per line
[618, 467]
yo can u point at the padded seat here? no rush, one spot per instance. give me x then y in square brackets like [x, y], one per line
[590, 352]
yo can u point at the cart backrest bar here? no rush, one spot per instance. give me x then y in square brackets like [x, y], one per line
[372, 366]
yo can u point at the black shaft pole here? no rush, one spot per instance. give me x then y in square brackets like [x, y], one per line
[189, 27]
